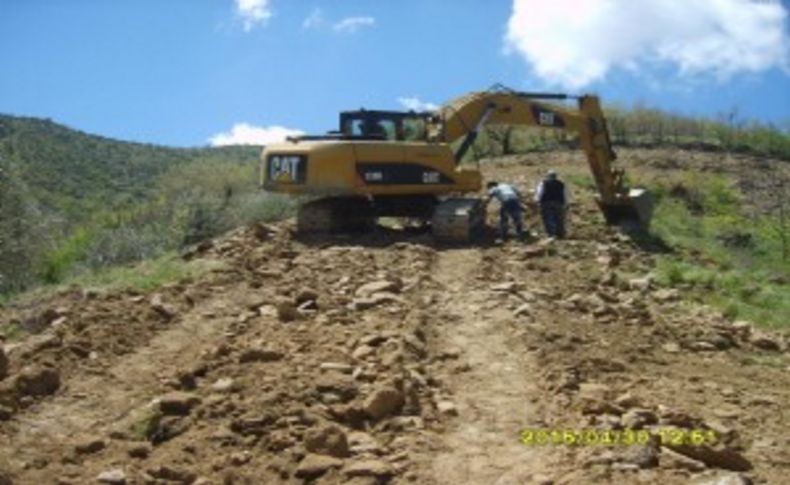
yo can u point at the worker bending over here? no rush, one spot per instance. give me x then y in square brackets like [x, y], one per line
[553, 197]
[509, 207]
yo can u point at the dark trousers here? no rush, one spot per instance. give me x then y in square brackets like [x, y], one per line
[553, 214]
[510, 209]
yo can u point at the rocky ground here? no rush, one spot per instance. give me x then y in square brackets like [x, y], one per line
[388, 359]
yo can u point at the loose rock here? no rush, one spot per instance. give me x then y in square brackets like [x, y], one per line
[313, 466]
[168, 312]
[729, 479]
[90, 446]
[671, 459]
[173, 474]
[140, 451]
[381, 286]
[306, 295]
[224, 384]
[113, 477]
[726, 458]
[178, 403]
[260, 355]
[369, 468]
[764, 342]
[447, 408]
[643, 456]
[384, 402]
[37, 381]
[328, 440]
[337, 366]
[523, 310]
[638, 418]
[287, 311]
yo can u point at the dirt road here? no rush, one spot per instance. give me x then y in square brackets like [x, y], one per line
[493, 397]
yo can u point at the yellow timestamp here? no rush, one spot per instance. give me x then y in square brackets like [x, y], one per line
[615, 437]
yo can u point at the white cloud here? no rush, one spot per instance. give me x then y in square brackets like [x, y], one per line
[314, 20]
[352, 24]
[253, 12]
[246, 134]
[415, 104]
[572, 43]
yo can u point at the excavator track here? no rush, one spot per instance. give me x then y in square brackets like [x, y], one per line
[458, 220]
[333, 215]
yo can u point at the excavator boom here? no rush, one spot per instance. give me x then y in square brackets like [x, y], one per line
[462, 118]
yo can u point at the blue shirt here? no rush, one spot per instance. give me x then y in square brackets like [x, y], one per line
[504, 193]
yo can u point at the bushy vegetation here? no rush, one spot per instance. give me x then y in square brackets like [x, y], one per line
[728, 250]
[646, 127]
[72, 204]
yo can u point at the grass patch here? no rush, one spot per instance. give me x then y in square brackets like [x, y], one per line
[144, 276]
[763, 359]
[581, 181]
[722, 257]
[145, 426]
[11, 332]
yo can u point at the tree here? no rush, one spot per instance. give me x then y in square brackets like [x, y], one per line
[779, 213]
[501, 139]
[769, 195]
[20, 232]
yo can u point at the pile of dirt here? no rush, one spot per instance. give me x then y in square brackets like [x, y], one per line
[293, 362]
[386, 359]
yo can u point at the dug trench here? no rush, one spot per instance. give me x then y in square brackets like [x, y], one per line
[390, 360]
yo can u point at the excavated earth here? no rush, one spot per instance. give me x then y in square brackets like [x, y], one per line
[385, 358]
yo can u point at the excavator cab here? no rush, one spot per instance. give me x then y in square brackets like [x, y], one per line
[384, 125]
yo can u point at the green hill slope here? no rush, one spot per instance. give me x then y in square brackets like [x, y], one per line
[73, 172]
[71, 200]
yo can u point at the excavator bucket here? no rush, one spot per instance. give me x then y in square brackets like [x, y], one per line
[634, 209]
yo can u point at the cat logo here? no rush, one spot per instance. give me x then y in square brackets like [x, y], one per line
[289, 169]
[545, 117]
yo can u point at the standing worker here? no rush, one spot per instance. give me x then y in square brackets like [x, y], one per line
[509, 207]
[553, 197]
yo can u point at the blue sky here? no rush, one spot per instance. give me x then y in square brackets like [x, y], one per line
[183, 72]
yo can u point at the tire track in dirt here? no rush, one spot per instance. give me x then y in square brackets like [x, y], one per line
[96, 403]
[493, 397]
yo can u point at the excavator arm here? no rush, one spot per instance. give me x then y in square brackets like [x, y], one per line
[462, 118]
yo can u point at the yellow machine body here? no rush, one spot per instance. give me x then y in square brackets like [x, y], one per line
[365, 168]
[408, 163]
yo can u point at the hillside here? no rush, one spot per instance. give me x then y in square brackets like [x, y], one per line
[71, 201]
[74, 173]
[389, 359]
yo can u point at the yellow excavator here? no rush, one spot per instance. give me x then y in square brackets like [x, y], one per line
[408, 164]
